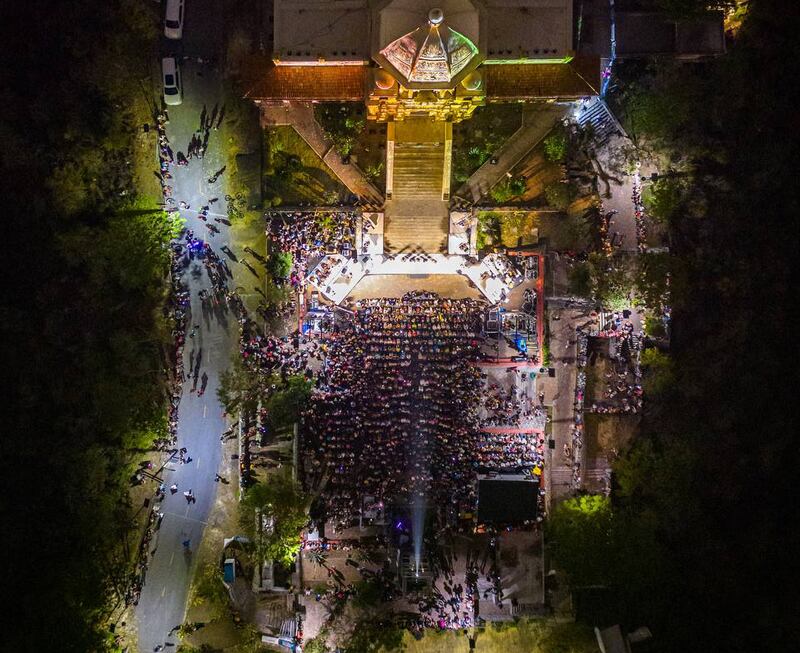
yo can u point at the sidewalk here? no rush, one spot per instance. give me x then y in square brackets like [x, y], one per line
[621, 200]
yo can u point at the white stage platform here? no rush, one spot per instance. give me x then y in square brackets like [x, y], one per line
[335, 277]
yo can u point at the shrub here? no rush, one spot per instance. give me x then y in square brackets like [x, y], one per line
[279, 264]
[555, 146]
[508, 188]
[558, 195]
[654, 327]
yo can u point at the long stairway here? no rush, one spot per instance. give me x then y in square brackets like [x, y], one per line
[418, 170]
[416, 216]
[415, 230]
[596, 115]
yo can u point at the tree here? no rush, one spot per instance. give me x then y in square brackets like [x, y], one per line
[279, 264]
[285, 405]
[372, 635]
[341, 123]
[319, 558]
[580, 535]
[612, 280]
[664, 198]
[580, 280]
[210, 588]
[692, 9]
[240, 387]
[659, 375]
[281, 508]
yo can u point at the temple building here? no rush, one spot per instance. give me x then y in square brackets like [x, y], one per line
[410, 58]
[419, 66]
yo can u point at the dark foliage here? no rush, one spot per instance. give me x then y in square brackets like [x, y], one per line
[83, 338]
[704, 500]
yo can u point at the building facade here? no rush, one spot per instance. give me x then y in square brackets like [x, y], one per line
[411, 58]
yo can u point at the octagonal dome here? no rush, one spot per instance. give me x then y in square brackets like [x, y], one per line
[427, 46]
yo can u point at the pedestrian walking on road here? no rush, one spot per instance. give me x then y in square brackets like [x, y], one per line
[173, 488]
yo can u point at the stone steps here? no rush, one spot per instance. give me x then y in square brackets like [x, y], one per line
[418, 169]
[428, 233]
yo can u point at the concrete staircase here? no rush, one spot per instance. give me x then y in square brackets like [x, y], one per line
[418, 169]
[418, 232]
[596, 114]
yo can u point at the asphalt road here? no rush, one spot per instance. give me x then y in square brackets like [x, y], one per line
[162, 604]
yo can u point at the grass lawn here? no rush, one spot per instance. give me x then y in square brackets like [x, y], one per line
[241, 134]
[294, 174]
[519, 228]
[602, 433]
[145, 152]
[476, 139]
[527, 636]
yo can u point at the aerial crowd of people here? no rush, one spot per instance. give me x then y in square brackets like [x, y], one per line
[309, 235]
[395, 413]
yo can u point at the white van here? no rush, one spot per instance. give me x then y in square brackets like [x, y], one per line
[173, 19]
[171, 77]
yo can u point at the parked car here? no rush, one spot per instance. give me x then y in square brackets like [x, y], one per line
[173, 19]
[171, 76]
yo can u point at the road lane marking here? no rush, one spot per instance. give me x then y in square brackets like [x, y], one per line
[205, 411]
[164, 591]
[171, 558]
[198, 464]
[199, 521]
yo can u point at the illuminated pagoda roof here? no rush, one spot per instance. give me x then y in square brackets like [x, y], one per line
[433, 48]
[432, 53]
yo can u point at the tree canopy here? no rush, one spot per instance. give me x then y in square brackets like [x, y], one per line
[84, 329]
[699, 503]
[282, 500]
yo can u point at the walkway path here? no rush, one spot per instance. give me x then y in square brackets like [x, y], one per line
[162, 604]
[559, 393]
[301, 118]
[536, 123]
[621, 194]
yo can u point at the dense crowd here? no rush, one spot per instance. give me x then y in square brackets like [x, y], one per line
[575, 452]
[622, 391]
[395, 413]
[395, 408]
[509, 407]
[308, 236]
[511, 452]
[639, 214]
